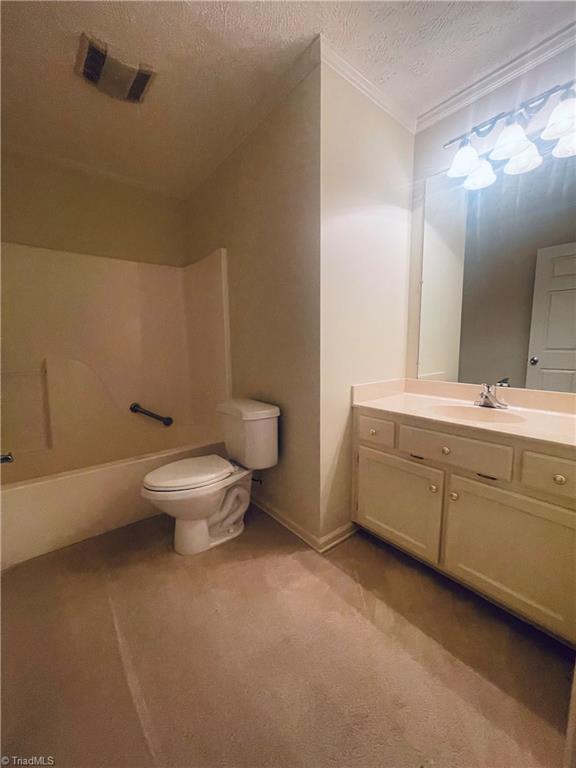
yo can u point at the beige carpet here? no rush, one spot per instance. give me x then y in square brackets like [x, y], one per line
[264, 654]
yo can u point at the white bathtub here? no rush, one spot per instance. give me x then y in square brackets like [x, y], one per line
[51, 512]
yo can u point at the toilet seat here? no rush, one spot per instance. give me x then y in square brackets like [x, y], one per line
[188, 474]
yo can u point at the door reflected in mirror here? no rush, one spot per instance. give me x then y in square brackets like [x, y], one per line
[498, 293]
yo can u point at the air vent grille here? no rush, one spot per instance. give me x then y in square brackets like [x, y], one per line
[111, 76]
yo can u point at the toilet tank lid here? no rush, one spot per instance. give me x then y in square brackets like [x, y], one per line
[248, 410]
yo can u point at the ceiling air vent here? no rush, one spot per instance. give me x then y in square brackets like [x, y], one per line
[110, 75]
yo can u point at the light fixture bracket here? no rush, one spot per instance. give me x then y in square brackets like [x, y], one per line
[526, 108]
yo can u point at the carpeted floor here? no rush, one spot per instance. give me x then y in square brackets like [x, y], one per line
[264, 654]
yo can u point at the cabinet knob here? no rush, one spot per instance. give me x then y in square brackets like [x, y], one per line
[446, 451]
[372, 432]
[433, 488]
[559, 479]
[454, 496]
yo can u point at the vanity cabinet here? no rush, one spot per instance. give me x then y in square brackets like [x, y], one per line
[487, 459]
[517, 550]
[494, 515]
[401, 501]
[549, 473]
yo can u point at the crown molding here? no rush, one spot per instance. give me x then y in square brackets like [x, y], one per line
[547, 49]
[335, 61]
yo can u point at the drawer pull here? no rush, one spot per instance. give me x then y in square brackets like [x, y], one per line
[372, 432]
[454, 496]
[559, 479]
[446, 451]
[433, 488]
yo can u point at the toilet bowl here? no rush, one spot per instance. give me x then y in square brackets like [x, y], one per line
[209, 495]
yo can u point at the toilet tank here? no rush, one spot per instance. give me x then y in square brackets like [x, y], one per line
[250, 432]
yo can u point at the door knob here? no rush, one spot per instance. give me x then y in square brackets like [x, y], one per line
[534, 360]
[454, 496]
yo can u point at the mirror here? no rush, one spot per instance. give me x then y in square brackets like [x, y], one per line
[498, 297]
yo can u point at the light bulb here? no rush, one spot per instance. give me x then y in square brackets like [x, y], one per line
[561, 121]
[480, 178]
[465, 161]
[511, 141]
[524, 161]
[566, 147]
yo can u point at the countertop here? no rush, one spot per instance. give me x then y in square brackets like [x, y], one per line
[531, 423]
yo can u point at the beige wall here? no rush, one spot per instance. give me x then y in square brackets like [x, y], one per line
[366, 177]
[263, 206]
[51, 205]
[85, 336]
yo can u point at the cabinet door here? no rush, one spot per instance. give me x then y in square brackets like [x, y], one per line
[401, 501]
[517, 550]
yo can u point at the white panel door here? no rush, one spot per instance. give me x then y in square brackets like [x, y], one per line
[551, 361]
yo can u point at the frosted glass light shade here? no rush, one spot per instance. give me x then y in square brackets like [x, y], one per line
[566, 147]
[465, 161]
[524, 161]
[510, 142]
[561, 121]
[480, 178]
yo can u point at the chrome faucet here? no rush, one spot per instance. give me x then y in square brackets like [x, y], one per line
[488, 397]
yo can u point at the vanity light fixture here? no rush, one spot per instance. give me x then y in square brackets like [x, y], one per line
[513, 145]
[465, 161]
[480, 178]
[562, 119]
[511, 141]
[524, 161]
[566, 147]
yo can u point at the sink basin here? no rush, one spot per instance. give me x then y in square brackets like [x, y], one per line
[477, 413]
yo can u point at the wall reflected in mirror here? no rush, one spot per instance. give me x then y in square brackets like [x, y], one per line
[498, 296]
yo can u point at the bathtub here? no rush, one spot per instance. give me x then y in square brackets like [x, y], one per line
[48, 513]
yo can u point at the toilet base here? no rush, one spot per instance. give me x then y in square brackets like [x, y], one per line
[193, 536]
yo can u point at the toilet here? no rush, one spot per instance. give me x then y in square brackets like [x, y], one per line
[208, 495]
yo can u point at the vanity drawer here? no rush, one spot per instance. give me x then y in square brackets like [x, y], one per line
[486, 459]
[550, 474]
[376, 432]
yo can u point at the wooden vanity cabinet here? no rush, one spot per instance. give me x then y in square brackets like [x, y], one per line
[401, 501]
[490, 534]
[517, 550]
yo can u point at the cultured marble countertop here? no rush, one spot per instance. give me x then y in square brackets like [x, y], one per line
[530, 423]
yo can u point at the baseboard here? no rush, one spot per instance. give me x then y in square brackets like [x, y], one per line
[319, 543]
[333, 538]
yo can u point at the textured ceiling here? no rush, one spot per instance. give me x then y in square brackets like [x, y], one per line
[217, 61]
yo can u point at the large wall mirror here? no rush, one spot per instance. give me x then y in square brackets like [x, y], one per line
[498, 294]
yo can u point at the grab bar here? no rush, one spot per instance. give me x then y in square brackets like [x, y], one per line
[6, 458]
[166, 420]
